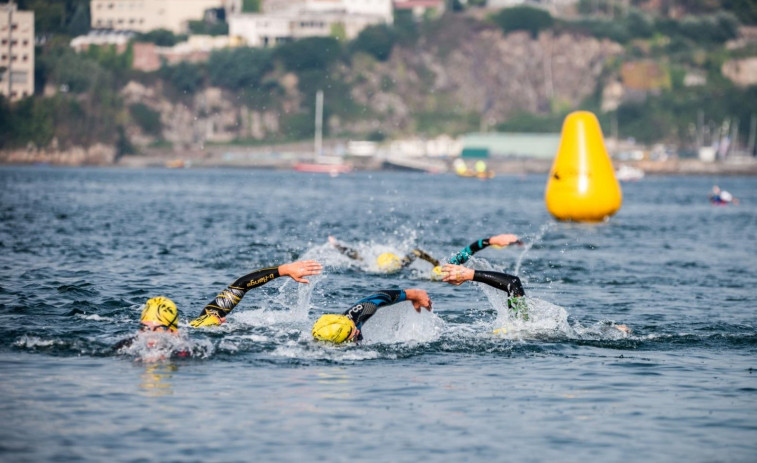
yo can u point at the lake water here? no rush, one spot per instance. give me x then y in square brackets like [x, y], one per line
[82, 249]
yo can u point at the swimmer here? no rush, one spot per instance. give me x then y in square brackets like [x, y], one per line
[388, 262]
[721, 197]
[161, 315]
[348, 326]
[457, 275]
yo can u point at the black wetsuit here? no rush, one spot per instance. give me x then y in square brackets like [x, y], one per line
[227, 299]
[502, 281]
[364, 309]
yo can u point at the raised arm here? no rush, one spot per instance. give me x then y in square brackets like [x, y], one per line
[504, 239]
[215, 311]
[366, 307]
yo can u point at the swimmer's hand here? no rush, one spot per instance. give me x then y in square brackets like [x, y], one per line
[456, 274]
[419, 298]
[504, 239]
[298, 270]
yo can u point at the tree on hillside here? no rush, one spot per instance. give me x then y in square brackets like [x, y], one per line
[160, 37]
[309, 53]
[376, 41]
[523, 18]
[251, 6]
[239, 68]
[745, 10]
[58, 16]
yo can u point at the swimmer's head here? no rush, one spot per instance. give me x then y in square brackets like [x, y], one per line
[334, 328]
[388, 262]
[160, 314]
[436, 273]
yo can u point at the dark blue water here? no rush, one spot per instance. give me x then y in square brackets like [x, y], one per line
[81, 250]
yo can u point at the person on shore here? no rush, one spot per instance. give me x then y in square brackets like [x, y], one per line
[348, 326]
[160, 314]
[388, 262]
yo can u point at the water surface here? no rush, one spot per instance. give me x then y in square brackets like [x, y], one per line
[82, 249]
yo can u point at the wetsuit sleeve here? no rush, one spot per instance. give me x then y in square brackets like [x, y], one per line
[349, 252]
[366, 307]
[418, 254]
[423, 255]
[462, 257]
[508, 283]
[225, 302]
[124, 343]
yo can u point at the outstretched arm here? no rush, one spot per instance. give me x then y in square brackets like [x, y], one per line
[216, 311]
[457, 274]
[504, 239]
[423, 255]
[349, 252]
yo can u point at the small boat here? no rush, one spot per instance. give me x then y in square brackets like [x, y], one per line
[176, 164]
[481, 171]
[322, 168]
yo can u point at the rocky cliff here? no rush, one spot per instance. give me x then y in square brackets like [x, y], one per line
[454, 80]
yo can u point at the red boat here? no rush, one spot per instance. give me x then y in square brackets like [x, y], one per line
[332, 169]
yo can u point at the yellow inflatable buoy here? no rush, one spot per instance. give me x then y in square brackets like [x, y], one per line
[582, 184]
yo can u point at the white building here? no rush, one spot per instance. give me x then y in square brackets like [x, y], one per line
[148, 15]
[285, 21]
[16, 52]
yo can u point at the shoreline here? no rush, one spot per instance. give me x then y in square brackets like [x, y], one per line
[285, 157]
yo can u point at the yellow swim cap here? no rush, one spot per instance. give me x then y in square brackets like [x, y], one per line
[161, 310]
[388, 262]
[333, 328]
[436, 273]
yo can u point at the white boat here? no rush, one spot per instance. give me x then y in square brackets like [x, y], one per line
[626, 173]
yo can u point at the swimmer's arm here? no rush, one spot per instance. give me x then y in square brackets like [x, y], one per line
[124, 343]
[215, 312]
[347, 251]
[502, 281]
[462, 257]
[423, 255]
[457, 274]
[366, 307]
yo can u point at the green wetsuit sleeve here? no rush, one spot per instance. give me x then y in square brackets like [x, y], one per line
[227, 299]
[462, 257]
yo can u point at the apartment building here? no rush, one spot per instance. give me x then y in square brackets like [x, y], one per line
[147, 15]
[16, 52]
[283, 21]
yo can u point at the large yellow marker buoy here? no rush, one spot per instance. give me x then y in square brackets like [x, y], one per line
[582, 184]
